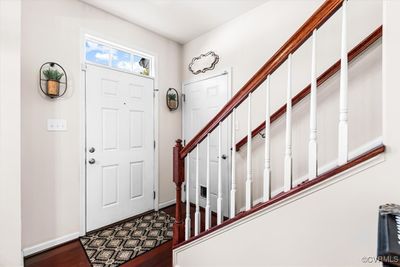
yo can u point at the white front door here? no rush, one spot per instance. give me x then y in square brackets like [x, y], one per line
[119, 142]
[203, 99]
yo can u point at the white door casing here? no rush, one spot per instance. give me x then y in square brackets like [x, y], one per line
[203, 99]
[119, 115]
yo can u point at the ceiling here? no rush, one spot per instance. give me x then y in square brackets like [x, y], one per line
[178, 20]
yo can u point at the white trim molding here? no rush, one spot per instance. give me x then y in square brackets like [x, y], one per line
[49, 244]
[66, 238]
[166, 204]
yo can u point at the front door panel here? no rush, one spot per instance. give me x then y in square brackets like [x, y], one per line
[120, 176]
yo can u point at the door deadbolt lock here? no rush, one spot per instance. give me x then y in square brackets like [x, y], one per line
[92, 161]
[92, 150]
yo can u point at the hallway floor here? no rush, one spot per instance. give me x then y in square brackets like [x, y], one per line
[72, 253]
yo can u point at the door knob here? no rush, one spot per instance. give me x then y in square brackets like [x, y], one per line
[223, 156]
[92, 161]
[92, 150]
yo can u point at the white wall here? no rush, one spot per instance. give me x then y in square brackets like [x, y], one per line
[10, 128]
[51, 31]
[336, 226]
[248, 41]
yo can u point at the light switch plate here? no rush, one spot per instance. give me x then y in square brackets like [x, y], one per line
[56, 125]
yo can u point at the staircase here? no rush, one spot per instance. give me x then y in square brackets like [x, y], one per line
[261, 81]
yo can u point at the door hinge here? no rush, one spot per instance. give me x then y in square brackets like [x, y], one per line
[154, 194]
[184, 142]
[183, 97]
[154, 92]
[154, 144]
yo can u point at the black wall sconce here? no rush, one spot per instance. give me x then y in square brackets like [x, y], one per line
[172, 99]
[53, 80]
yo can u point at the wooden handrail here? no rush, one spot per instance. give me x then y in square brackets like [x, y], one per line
[327, 9]
[356, 51]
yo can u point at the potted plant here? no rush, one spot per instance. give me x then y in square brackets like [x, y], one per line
[53, 78]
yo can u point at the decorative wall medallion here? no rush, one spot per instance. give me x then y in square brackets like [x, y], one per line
[203, 63]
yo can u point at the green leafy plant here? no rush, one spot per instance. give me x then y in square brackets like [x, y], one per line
[53, 75]
[172, 97]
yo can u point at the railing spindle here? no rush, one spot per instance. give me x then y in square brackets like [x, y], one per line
[208, 206]
[318, 18]
[284, 53]
[249, 163]
[219, 198]
[187, 220]
[233, 150]
[197, 212]
[288, 151]
[343, 109]
[267, 163]
[312, 144]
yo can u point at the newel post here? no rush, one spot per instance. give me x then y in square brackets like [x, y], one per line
[178, 178]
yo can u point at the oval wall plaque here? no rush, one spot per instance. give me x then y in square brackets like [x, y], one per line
[203, 63]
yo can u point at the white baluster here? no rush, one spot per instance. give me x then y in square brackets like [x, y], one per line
[208, 206]
[288, 152]
[197, 212]
[267, 163]
[312, 143]
[233, 187]
[187, 220]
[249, 173]
[219, 197]
[343, 109]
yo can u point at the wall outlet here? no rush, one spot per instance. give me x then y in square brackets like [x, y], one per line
[56, 125]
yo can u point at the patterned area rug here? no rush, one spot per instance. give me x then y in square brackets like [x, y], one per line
[118, 244]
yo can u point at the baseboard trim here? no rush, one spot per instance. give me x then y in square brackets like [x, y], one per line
[49, 244]
[29, 251]
[166, 204]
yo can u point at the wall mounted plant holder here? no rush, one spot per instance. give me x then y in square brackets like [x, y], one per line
[172, 99]
[53, 80]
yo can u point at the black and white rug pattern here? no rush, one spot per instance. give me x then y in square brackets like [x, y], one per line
[120, 243]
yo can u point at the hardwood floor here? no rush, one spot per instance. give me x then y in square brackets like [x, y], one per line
[72, 253]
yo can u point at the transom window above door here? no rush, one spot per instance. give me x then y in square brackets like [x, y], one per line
[107, 54]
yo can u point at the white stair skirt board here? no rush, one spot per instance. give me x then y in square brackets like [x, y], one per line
[337, 178]
[49, 244]
[353, 154]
